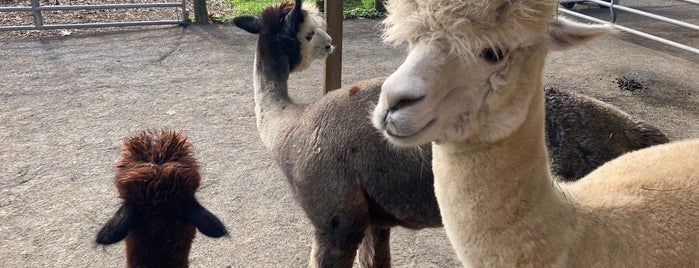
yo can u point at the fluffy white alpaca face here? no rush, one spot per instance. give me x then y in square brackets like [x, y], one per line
[436, 96]
[316, 44]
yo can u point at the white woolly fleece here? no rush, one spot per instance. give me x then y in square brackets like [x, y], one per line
[465, 27]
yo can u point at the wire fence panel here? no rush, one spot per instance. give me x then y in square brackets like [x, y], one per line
[86, 16]
[656, 11]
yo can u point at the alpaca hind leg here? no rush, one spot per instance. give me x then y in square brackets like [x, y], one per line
[375, 250]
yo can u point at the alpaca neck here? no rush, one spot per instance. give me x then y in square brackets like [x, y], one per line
[272, 102]
[498, 198]
[144, 250]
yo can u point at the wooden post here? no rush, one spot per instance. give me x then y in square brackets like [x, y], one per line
[333, 64]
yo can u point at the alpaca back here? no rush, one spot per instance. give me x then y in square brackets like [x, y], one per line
[333, 140]
[583, 133]
[647, 201]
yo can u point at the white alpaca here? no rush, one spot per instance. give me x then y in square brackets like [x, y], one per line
[471, 84]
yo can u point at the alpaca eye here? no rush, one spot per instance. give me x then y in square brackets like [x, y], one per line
[309, 36]
[492, 55]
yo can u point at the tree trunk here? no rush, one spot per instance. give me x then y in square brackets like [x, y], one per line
[201, 15]
[380, 5]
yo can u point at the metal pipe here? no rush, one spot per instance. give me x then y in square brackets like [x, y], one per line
[14, 9]
[632, 31]
[111, 6]
[38, 20]
[89, 7]
[185, 15]
[646, 14]
[90, 25]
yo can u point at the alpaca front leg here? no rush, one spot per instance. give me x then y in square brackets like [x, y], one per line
[375, 249]
[335, 249]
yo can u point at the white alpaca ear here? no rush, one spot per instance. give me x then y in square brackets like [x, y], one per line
[565, 34]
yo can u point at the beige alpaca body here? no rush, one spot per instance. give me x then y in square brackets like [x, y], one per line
[652, 194]
[476, 95]
[624, 214]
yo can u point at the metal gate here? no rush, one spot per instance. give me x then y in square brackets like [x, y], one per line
[36, 9]
[615, 6]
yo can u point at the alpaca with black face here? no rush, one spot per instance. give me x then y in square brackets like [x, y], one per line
[353, 185]
[157, 177]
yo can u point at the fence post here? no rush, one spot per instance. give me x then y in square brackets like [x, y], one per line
[333, 64]
[38, 20]
[185, 14]
[201, 15]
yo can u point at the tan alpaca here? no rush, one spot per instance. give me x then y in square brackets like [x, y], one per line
[471, 85]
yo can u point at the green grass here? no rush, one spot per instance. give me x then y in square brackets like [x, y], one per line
[248, 7]
[351, 8]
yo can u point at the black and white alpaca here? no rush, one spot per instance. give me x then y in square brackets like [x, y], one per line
[157, 177]
[354, 186]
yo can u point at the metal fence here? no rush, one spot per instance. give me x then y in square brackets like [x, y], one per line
[36, 9]
[615, 6]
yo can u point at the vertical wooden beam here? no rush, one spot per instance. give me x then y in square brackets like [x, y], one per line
[333, 64]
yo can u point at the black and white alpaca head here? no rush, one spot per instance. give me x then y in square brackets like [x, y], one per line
[294, 29]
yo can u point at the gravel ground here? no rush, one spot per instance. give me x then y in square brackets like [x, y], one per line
[67, 102]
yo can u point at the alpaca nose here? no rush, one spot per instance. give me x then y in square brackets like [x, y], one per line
[402, 90]
[405, 102]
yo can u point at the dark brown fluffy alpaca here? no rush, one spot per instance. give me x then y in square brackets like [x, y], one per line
[157, 177]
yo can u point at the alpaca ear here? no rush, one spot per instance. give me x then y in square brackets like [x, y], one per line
[207, 223]
[565, 34]
[291, 19]
[251, 24]
[118, 226]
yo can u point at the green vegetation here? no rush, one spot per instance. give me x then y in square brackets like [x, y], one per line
[351, 9]
[362, 13]
[248, 7]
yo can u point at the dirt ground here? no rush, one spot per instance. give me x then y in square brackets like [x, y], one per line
[67, 103]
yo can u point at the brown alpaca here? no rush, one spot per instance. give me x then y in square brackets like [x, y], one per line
[157, 177]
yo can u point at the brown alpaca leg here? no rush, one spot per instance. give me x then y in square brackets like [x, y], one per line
[375, 249]
[336, 246]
